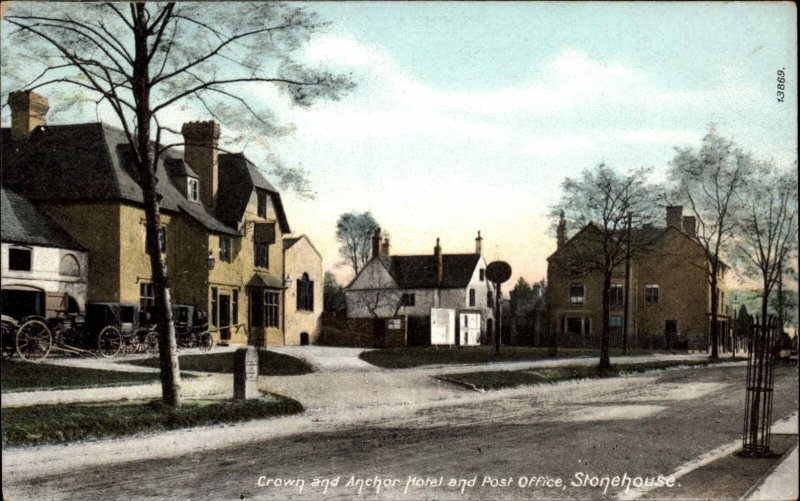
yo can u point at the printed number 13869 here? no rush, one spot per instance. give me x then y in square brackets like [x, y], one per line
[781, 86]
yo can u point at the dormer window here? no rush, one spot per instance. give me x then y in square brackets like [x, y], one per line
[261, 195]
[192, 189]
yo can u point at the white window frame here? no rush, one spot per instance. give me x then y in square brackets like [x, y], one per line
[193, 189]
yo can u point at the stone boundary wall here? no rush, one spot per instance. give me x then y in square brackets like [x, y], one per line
[362, 332]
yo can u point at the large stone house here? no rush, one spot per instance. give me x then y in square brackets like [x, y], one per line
[389, 286]
[223, 223]
[43, 270]
[303, 264]
[669, 295]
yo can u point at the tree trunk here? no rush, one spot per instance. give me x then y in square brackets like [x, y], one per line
[714, 309]
[605, 362]
[167, 347]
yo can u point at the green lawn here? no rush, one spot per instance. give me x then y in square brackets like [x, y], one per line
[69, 422]
[19, 376]
[274, 364]
[400, 358]
[495, 380]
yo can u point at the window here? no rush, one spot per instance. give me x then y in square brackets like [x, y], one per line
[394, 324]
[214, 307]
[192, 189]
[305, 293]
[574, 325]
[408, 299]
[147, 297]
[616, 295]
[576, 294]
[261, 255]
[235, 307]
[615, 323]
[69, 266]
[225, 249]
[489, 298]
[482, 274]
[162, 239]
[19, 259]
[261, 196]
[472, 297]
[271, 309]
[651, 294]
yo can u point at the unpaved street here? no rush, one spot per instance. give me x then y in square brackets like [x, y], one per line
[640, 426]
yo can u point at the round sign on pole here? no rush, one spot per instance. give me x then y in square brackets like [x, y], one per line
[498, 272]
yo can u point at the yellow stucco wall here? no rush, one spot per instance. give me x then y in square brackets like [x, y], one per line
[302, 258]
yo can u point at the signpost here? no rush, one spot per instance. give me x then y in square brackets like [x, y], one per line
[498, 272]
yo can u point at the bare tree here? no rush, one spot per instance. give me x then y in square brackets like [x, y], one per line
[144, 61]
[768, 237]
[354, 232]
[708, 181]
[601, 203]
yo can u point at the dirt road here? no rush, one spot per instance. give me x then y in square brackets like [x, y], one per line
[502, 441]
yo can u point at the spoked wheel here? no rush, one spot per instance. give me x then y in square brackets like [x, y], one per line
[151, 342]
[109, 342]
[34, 341]
[206, 341]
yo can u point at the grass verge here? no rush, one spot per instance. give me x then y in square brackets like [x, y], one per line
[401, 358]
[21, 376]
[273, 364]
[495, 380]
[42, 424]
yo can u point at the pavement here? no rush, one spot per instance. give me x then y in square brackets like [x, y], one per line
[782, 483]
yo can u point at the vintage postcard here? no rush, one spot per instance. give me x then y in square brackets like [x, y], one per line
[399, 250]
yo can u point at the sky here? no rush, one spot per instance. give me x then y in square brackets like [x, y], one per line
[468, 116]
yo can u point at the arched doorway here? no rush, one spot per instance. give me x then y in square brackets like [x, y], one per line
[303, 338]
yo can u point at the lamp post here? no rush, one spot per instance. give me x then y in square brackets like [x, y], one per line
[733, 331]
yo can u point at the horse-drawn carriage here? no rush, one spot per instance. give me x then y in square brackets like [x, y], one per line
[106, 330]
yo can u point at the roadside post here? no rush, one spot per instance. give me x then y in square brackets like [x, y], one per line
[245, 374]
[498, 272]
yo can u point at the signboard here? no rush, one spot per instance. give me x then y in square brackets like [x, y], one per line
[498, 272]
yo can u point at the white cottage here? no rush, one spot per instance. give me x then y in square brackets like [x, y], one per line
[43, 270]
[420, 285]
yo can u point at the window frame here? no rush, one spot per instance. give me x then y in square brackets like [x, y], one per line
[652, 293]
[226, 249]
[28, 251]
[147, 297]
[272, 309]
[408, 299]
[305, 293]
[616, 295]
[472, 299]
[261, 255]
[575, 299]
[193, 189]
[262, 203]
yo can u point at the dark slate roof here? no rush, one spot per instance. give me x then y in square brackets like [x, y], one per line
[288, 242]
[23, 223]
[265, 280]
[88, 162]
[419, 272]
[237, 179]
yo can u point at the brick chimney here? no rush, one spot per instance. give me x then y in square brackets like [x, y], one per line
[479, 243]
[385, 247]
[690, 226]
[561, 230]
[437, 256]
[28, 111]
[675, 216]
[200, 153]
[376, 242]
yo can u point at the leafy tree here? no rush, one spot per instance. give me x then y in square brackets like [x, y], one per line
[708, 181]
[333, 297]
[768, 237]
[145, 61]
[354, 232]
[604, 202]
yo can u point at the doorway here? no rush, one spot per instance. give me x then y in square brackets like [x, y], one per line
[671, 333]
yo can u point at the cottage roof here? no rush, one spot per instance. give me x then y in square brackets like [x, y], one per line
[289, 242]
[93, 162]
[419, 272]
[238, 176]
[23, 223]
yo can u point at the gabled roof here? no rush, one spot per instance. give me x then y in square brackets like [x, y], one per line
[419, 272]
[89, 162]
[237, 179]
[23, 223]
[289, 242]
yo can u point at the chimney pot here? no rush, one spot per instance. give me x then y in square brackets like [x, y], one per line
[385, 247]
[376, 242]
[561, 230]
[479, 243]
[28, 111]
[675, 216]
[690, 226]
[437, 254]
[200, 152]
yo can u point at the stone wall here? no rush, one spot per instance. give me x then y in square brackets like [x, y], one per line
[361, 332]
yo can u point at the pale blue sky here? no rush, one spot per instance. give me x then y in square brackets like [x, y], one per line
[468, 116]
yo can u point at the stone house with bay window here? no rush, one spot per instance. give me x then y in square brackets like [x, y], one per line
[223, 223]
[669, 296]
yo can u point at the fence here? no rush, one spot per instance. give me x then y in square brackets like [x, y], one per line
[635, 342]
[760, 383]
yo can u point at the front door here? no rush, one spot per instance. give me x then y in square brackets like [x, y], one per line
[671, 332]
[225, 316]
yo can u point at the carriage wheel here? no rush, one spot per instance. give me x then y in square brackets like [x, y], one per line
[109, 342]
[151, 342]
[206, 341]
[34, 341]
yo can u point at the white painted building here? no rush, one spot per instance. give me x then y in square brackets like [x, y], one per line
[389, 286]
[43, 270]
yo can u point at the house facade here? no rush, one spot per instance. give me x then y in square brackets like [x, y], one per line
[43, 270]
[304, 295]
[223, 223]
[389, 286]
[669, 294]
